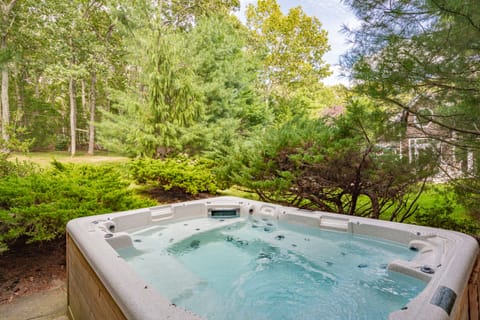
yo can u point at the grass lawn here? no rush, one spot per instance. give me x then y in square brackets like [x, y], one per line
[438, 195]
[237, 192]
[45, 158]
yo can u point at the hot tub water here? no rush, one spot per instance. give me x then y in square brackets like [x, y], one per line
[259, 269]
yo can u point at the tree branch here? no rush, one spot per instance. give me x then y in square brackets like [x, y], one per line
[441, 124]
[468, 18]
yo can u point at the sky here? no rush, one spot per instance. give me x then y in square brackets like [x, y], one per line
[333, 15]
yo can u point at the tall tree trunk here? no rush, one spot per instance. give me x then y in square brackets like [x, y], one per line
[5, 11]
[91, 125]
[73, 116]
[19, 93]
[5, 105]
[84, 101]
[84, 95]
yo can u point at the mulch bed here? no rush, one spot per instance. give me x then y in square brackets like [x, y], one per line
[30, 268]
[174, 195]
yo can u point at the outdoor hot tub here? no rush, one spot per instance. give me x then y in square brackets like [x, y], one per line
[233, 258]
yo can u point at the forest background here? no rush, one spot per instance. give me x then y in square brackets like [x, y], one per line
[203, 103]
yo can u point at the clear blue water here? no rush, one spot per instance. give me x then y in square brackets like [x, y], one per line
[259, 269]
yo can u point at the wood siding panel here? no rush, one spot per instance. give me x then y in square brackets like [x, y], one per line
[474, 292]
[88, 299]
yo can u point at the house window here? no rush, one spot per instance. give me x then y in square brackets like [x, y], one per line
[422, 146]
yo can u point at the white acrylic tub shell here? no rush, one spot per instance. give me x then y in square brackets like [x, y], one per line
[449, 255]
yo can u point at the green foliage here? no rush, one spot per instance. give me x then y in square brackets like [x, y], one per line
[15, 141]
[226, 77]
[37, 205]
[292, 46]
[441, 216]
[172, 77]
[467, 190]
[304, 37]
[149, 122]
[331, 164]
[197, 86]
[17, 168]
[36, 115]
[417, 47]
[440, 207]
[420, 54]
[191, 175]
[61, 143]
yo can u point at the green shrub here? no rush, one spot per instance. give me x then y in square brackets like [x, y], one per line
[190, 175]
[61, 143]
[468, 194]
[36, 114]
[38, 206]
[438, 219]
[440, 216]
[17, 168]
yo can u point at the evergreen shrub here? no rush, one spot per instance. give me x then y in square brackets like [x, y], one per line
[192, 175]
[441, 207]
[438, 217]
[38, 205]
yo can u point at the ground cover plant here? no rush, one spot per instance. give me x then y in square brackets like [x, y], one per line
[441, 207]
[189, 174]
[36, 203]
